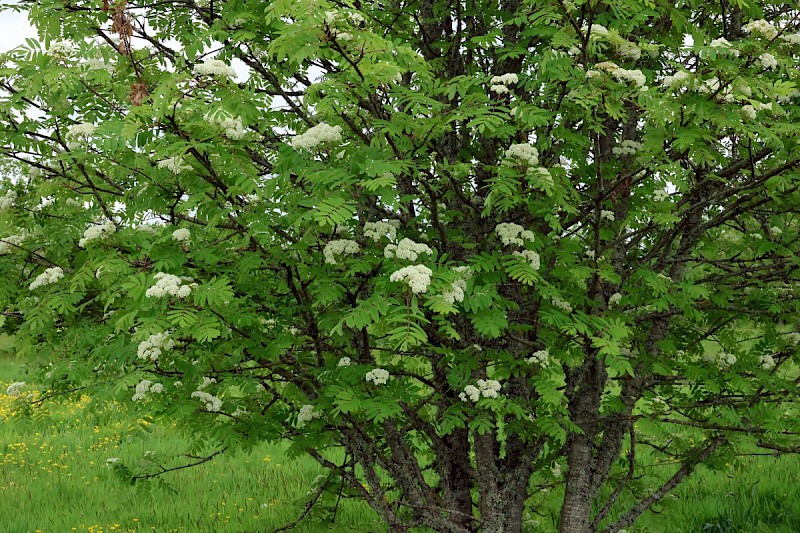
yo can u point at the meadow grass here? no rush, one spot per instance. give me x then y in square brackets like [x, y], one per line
[54, 478]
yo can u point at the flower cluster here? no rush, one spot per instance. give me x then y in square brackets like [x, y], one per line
[213, 67]
[768, 61]
[232, 127]
[539, 357]
[791, 38]
[561, 304]
[378, 376]
[767, 362]
[622, 74]
[488, 388]
[418, 277]
[337, 248]
[761, 27]
[212, 403]
[173, 164]
[614, 299]
[168, 284]
[48, 277]
[10, 243]
[206, 382]
[524, 153]
[182, 234]
[660, 195]
[377, 230]
[8, 200]
[499, 84]
[607, 215]
[456, 292]
[60, 49]
[627, 147]
[146, 386]
[531, 257]
[723, 44]
[78, 134]
[321, 133]
[511, 233]
[723, 359]
[676, 80]
[154, 346]
[406, 249]
[15, 389]
[97, 231]
[344, 361]
[307, 414]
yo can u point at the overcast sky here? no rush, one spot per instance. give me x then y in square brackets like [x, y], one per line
[14, 28]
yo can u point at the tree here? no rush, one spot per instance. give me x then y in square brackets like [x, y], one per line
[455, 251]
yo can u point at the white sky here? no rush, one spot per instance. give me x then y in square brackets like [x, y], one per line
[14, 28]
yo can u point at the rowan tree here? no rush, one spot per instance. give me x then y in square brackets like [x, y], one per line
[456, 251]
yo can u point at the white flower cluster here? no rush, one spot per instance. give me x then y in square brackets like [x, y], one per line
[213, 67]
[97, 63]
[456, 292]
[499, 84]
[15, 389]
[339, 247]
[626, 50]
[749, 112]
[154, 346]
[206, 382]
[378, 376]
[660, 195]
[761, 27]
[723, 359]
[539, 357]
[791, 38]
[678, 79]
[724, 93]
[793, 337]
[627, 147]
[377, 230]
[146, 386]
[597, 31]
[8, 200]
[723, 44]
[590, 254]
[767, 362]
[212, 403]
[344, 361]
[622, 74]
[531, 257]
[607, 215]
[406, 249]
[78, 134]
[511, 233]
[167, 284]
[173, 164]
[60, 49]
[775, 231]
[9, 244]
[231, 126]
[614, 299]
[321, 133]
[768, 61]
[524, 152]
[306, 414]
[561, 304]
[418, 277]
[182, 234]
[48, 277]
[97, 231]
[488, 388]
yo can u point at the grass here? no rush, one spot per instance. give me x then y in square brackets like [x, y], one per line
[54, 478]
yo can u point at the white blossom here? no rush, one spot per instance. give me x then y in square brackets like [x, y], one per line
[614, 299]
[321, 133]
[723, 44]
[344, 361]
[48, 277]
[499, 84]
[146, 386]
[456, 292]
[15, 389]
[761, 27]
[168, 284]
[307, 414]
[626, 50]
[524, 153]
[212, 403]
[531, 257]
[607, 215]
[539, 357]
[511, 233]
[213, 67]
[78, 134]
[378, 376]
[488, 388]
[336, 248]
[156, 344]
[182, 234]
[231, 126]
[406, 249]
[768, 61]
[9, 244]
[622, 74]
[678, 79]
[767, 362]
[660, 195]
[206, 382]
[97, 231]
[418, 277]
[471, 393]
[749, 112]
[561, 304]
[173, 164]
[590, 254]
[60, 49]
[791, 38]
[377, 230]
[627, 147]
[8, 200]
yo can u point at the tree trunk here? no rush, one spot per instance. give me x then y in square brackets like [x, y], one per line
[579, 493]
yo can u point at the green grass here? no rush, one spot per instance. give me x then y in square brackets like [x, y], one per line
[54, 478]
